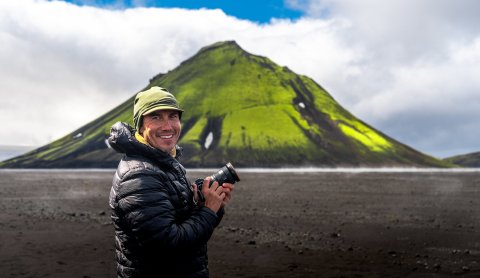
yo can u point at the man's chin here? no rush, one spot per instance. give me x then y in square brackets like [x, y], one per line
[166, 145]
[166, 148]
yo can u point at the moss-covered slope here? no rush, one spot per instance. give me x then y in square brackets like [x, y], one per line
[246, 109]
[465, 160]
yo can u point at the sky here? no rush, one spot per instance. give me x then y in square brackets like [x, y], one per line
[409, 68]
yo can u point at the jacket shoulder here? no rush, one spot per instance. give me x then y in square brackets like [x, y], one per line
[129, 166]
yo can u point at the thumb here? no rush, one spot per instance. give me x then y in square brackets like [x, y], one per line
[195, 191]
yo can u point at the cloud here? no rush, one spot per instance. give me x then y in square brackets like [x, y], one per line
[417, 62]
[406, 67]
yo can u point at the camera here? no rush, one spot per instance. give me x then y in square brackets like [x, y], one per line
[226, 174]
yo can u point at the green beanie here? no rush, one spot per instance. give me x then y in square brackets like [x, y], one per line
[153, 99]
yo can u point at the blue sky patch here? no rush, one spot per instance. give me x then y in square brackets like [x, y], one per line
[261, 11]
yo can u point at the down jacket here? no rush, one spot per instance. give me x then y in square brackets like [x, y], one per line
[159, 231]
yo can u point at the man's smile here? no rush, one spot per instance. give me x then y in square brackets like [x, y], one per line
[166, 136]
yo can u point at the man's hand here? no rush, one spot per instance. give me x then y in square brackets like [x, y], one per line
[227, 189]
[214, 195]
[196, 198]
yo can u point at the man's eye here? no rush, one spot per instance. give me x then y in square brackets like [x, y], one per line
[154, 117]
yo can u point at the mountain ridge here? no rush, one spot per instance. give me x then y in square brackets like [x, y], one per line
[246, 109]
[465, 160]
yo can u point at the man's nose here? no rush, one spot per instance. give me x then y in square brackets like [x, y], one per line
[165, 125]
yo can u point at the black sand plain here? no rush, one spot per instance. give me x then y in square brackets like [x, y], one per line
[281, 224]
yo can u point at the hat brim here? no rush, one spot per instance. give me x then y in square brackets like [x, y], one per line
[161, 107]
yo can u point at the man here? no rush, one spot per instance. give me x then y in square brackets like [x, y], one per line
[160, 228]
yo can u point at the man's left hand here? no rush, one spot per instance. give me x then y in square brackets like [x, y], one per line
[227, 189]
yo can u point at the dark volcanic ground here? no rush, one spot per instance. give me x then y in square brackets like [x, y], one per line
[323, 224]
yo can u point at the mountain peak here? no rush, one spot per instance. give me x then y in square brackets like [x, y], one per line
[220, 45]
[243, 108]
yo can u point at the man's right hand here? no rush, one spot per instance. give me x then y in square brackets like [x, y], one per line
[213, 194]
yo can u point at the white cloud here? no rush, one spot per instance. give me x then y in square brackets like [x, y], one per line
[406, 67]
[417, 62]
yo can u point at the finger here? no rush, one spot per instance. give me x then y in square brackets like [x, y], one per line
[220, 188]
[228, 195]
[206, 181]
[216, 186]
[195, 189]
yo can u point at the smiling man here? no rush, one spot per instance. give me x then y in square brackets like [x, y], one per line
[161, 230]
[161, 129]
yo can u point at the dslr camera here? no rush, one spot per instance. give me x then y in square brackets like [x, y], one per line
[226, 174]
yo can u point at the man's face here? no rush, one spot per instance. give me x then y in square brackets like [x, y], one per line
[161, 129]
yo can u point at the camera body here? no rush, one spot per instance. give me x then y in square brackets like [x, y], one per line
[226, 174]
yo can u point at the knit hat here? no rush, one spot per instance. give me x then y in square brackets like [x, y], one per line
[153, 99]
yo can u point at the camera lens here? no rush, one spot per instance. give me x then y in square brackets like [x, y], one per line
[226, 174]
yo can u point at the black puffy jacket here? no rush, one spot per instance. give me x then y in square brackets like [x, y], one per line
[159, 232]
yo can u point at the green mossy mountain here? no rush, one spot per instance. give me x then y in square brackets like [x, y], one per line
[246, 109]
[465, 160]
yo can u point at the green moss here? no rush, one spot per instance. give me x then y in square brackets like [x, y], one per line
[263, 128]
[367, 137]
[193, 135]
